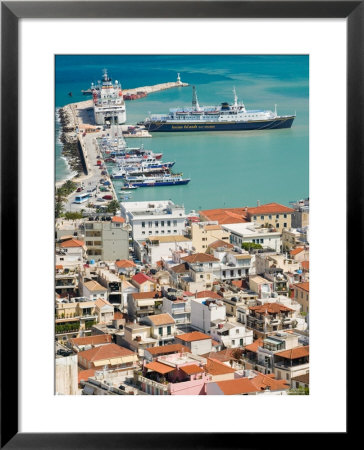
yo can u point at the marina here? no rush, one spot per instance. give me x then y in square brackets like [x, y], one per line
[223, 166]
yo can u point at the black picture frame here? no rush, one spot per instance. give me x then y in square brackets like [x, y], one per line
[11, 12]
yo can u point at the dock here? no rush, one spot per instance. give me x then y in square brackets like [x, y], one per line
[155, 88]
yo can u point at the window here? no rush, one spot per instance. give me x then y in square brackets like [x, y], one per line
[150, 224]
[233, 342]
[262, 217]
[162, 223]
[277, 225]
[261, 241]
[169, 329]
[156, 223]
[241, 341]
[160, 331]
[285, 224]
[277, 216]
[255, 217]
[168, 223]
[237, 331]
[175, 223]
[270, 216]
[143, 224]
[285, 216]
[143, 232]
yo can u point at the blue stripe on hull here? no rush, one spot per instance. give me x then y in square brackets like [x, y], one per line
[237, 126]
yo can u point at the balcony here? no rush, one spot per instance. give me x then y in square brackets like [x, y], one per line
[155, 384]
[181, 311]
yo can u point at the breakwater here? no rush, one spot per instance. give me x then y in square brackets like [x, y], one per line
[154, 88]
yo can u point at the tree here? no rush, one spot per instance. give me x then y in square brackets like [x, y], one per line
[250, 245]
[299, 391]
[113, 206]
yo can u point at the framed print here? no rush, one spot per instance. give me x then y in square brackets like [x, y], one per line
[159, 162]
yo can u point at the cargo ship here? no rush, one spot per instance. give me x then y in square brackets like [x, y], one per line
[224, 117]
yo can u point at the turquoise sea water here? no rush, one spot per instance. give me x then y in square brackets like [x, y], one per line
[227, 169]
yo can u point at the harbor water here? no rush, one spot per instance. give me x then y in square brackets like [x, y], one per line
[227, 169]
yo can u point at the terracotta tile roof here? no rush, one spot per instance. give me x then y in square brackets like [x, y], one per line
[146, 295]
[108, 351]
[161, 319]
[193, 336]
[85, 374]
[92, 340]
[210, 294]
[117, 219]
[254, 346]
[123, 263]
[118, 315]
[305, 265]
[215, 367]
[159, 367]
[220, 243]
[247, 385]
[270, 308]
[199, 257]
[296, 251]
[305, 378]
[239, 284]
[225, 215]
[191, 369]
[212, 227]
[159, 263]
[180, 268]
[304, 286]
[59, 267]
[215, 343]
[172, 238]
[166, 349]
[72, 243]
[93, 285]
[222, 356]
[294, 353]
[141, 278]
[269, 208]
[100, 303]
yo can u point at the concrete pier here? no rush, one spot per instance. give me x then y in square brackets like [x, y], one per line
[155, 88]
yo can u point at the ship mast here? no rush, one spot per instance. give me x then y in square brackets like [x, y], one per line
[235, 98]
[194, 99]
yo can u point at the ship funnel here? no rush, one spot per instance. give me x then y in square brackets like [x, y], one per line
[194, 99]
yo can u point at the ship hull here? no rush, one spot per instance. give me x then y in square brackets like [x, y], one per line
[274, 124]
[159, 183]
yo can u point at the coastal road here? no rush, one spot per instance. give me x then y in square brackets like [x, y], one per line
[90, 182]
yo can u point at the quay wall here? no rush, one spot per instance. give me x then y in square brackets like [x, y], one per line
[155, 88]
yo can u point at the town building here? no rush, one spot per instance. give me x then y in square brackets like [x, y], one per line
[152, 353]
[174, 374]
[261, 286]
[143, 282]
[92, 289]
[252, 383]
[270, 317]
[107, 240]
[255, 233]
[198, 343]
[179, 308]
[110, 356]
[158, 218]
[138, 337]
[291, 363]
[70, 253]
[204, 311]
[163, 327]
[112, 283]
[301, 293]
[205, 233]
[156, 248]
[143, 304]
[231, 334]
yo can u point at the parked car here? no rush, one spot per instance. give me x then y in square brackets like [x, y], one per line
[107, 197]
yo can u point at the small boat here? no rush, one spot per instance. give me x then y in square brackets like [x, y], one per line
[128, 186]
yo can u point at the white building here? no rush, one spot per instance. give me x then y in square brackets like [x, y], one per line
[234, 265]
[206, 310]
[179, 309]
[231, 334]
[158, 218]
[162, 247]
[250, 232]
